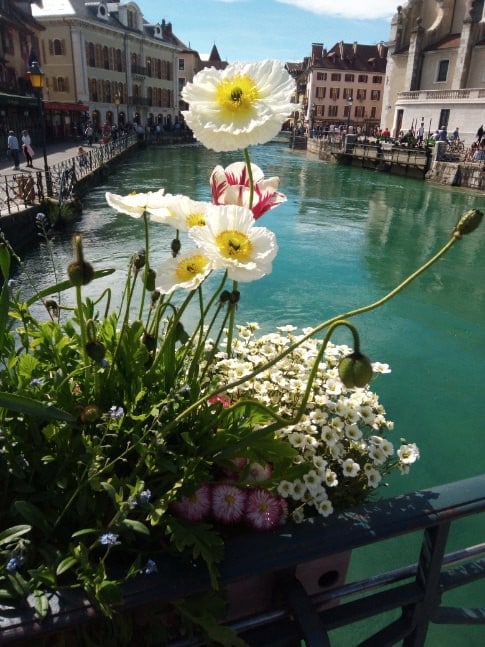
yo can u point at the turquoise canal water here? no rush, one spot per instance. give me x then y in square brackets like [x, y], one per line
[346, 237]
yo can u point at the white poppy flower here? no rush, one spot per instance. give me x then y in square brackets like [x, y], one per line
[135, 204]
[186, 271]
[244, 104]
[232, 241]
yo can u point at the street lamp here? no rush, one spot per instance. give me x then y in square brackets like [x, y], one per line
[117, 104]
[349, 101]
[36, 76]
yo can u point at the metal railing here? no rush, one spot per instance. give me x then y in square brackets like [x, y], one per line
[413, 591]
[22, 190]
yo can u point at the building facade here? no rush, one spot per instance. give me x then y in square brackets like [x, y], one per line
[103, 62]
[345, 86]
[436, 67]
[18, 30]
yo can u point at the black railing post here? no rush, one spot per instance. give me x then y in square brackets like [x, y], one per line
[427, 579]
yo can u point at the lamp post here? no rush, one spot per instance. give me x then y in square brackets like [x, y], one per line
[349, 101]
[117, 104]
[36, 76]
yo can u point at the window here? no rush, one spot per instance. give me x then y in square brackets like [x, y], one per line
[349, 78]
[361, 95]
[321, 76]
[347, 111]
[181, 84]
[442, 71]
[181, 64]
[119, 61]
[57, 47]
[91, 55]
[60, 84]
[362, 78]
[149, 66]
[334, 93]
[348, 94]
[375, 95]
[335, 76]
[444, 118]
[359, 112]
[377, 79]
[320, 92]
[321, 111]
[373, 112]
[333, 111]
[105, 58]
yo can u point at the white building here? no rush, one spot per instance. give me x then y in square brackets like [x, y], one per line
[436, 67]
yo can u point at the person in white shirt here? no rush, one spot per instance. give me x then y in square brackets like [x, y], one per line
[27, 147]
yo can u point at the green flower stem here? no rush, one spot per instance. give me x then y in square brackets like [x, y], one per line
[129, 290]
[329, 322]
[147, 264]
[82, 324]
[232, 316]
[247, 159]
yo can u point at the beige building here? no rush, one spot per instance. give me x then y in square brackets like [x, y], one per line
[104, 62]
[436, 67]
[345, 85]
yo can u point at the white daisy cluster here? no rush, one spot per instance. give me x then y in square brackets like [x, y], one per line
[341, 437]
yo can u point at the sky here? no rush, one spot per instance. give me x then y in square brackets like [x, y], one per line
[253, 30]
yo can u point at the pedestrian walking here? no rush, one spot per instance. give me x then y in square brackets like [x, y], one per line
[27, 149]
[14, 148]
[480, 134]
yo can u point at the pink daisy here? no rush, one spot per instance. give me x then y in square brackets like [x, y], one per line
[228, 502]
[222, 399]
[194, 507]
[258, 472]
[263, 510]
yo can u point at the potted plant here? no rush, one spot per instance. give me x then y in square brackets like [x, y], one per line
[126, 436]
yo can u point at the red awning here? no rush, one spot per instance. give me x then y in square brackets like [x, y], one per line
[65, 107]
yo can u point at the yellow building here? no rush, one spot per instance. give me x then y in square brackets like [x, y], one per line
[103, 62]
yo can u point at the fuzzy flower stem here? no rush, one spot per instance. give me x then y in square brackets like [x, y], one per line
[147, 264]
[325, 324]
[247, 159]
[82, 323]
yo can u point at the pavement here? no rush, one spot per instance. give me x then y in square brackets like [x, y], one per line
[56, 153]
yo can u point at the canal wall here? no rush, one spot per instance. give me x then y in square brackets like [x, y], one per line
[416, 163]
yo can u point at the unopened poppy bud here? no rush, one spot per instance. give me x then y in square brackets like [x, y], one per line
[175, 247]
[468, 222]
[90, 413]
[149, 279]
[155, 296]
[181, 334]
[139, 259]
[234, 296]
[80, 273]
[52, 307]
[95, 350]
[149, 341]
[225, 296]
[355, 370]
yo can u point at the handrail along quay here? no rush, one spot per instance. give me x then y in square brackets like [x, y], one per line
[413, 592]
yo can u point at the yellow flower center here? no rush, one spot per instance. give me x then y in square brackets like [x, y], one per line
[234, 244]
[190, 267]
[195, 220]
[237, 94]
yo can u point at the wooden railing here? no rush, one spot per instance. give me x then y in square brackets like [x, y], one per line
[414, 591]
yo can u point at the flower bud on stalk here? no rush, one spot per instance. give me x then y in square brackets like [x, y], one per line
[139, 259]
[79, 271]
[355, 370]
[149, 279]
[468, 222]
[175, 247]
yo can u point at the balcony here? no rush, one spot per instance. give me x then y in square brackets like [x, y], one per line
[139, 70]
[465, 95]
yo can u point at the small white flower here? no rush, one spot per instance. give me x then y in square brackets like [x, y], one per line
[324, 508]
[408, 454]
[286, 489]
[350, 468]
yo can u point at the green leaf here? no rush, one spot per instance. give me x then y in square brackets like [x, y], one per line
[11, 534]
[41, 603]
[5, 261]
[137, 526]
[109, 489]
[66, 564]
[23, 404]
[85, 531]
[62, 286]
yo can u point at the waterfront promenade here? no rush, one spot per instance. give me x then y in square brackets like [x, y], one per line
[56, 153]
